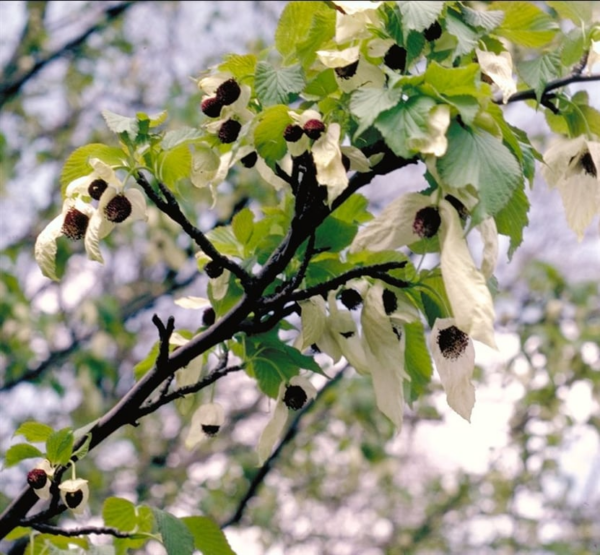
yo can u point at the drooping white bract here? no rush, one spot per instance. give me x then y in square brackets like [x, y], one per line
[468, 293]
[573, 165]
[40, 479]
[75, 494]
[353, 23]
[499, 68]
[435, 142]
[75, 213]
[364, 74]
[327, 155]
[454, 358]
[384, 352]
[593, 57]
[206, 422]
[274, 428]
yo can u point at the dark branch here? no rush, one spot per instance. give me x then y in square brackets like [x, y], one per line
[171, 208]
[83, 531]
[264, 470]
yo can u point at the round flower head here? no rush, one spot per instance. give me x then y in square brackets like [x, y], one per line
[40, 479]
[95, 183]
[206, 422]
[72, 223]
[75, 494]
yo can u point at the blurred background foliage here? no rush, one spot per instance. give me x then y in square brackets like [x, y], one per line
[524, 478]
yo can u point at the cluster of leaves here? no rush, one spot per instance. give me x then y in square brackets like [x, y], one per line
[350, 87]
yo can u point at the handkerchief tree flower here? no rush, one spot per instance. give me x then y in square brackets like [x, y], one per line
[295, 271]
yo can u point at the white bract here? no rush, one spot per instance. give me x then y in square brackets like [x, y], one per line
[499, 68]
[274, 428]
[572, 166]
[206, 422]
[75, 494]
[36, 480]
[454, 358]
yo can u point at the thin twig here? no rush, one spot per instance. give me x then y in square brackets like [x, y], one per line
[83, 531]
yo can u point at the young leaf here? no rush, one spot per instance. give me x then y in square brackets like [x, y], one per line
[417, 361]
[77, 164]
[176, 536]
[59, 446]
[525, 24]
[34, 432]
[268, 135]
[119, 513]
[539, 71]
[419, 15]
[19, 452]
[275, 86]
[512, 219]
[209, 539]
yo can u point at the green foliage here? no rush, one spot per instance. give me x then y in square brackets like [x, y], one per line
[208, 537]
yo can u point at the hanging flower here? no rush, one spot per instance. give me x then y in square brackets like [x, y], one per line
[73, 223]
[206, 423]
[354, 18]
[454, 358]
[40, 479]
[351, 69]
[292, 396]
[498, 68]
[593, 57]
[573, 166]
[75, 494]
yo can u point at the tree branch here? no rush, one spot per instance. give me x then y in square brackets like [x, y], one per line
[83, 531]
[264, 470]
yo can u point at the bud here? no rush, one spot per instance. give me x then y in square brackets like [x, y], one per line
[314, 128]
[249, 160]
[37, 478]
[208, 316]
[293, 133]
[427, 222]
[96, 188]
[118, 209]
[433, 32]
[211, 107]
[75, 224]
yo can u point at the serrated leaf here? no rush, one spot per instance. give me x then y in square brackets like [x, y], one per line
[417, 361]
[487, 19]
[153, 120]
[354, 210]
[294, 25]
[240, 66]
[121, 124]
[34, 432]
[539, 71]
[77, 164]
[242, 225]
[209, 539]
[577, 12]
[119, 513]
[322, 85]
[59, 446]
[275, 86]
[322, 29]
[475, 157]
[268, 135]
[419, 16]
[180, 136]
[224, 240]
[19, 452]
[333, 235]
[452, 81]
[512, 219]
[405, 121]
[367, 103]
[174, 164]
[176, 536]
[525, 24]
[467, 37]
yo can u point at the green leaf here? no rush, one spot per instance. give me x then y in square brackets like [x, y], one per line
[240, 66]
[77, 164]
[225, 241]
[295, 24]
[153, 120]
[407, 120]
[121, 124]
[467, 37]
[209, 539]
[119, 513]
[419, 15]
[268, 135]
[321, 86]
[539, 71]
[322, 267]
[242, 225]
[572, 47]
[367, 103]
[34, 432]
[525, 24]
[467, 107]
[322, 30]
[354, 210]
[20, 451]
[180, 136]
[174, 164]
[59, 446]
[475, 157]
[417, 361]
[82, 451]
[146, 364]
[452, 81]
[486, 19]
[577, 12]
[512, 219]
[334, 235]
[176, 536]
[275, 86]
